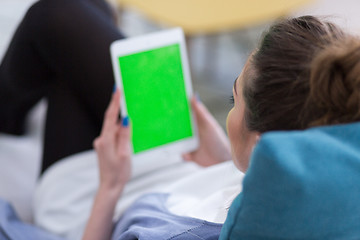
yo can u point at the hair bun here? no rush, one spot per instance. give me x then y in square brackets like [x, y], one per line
[335, 83]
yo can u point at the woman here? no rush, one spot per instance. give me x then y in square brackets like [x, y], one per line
[280, 88]
[302, 75]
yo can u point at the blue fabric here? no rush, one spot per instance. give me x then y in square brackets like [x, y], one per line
[12, 228]
[300, 185]
[149, 219]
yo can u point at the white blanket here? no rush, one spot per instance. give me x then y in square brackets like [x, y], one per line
[20, 163]
[65, 193]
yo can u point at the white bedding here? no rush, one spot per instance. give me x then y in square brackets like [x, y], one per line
[20, 163]
[65, 193]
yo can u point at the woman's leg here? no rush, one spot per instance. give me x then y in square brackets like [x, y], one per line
[60, 51]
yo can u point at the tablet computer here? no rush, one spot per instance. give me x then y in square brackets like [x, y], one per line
[152, 72]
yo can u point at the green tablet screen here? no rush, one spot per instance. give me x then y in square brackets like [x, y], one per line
[155, 96]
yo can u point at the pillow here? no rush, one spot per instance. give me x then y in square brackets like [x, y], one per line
[300, 185]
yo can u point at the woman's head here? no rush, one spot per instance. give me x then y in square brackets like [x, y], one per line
[306, 72]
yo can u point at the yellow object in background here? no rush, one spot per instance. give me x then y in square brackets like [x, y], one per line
[212, 16]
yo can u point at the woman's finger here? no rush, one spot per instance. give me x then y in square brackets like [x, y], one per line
[124, 132]
[201, 112]
[187, 156]
[111, 114]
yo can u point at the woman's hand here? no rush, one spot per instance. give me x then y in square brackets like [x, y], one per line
[113, 148]
[214, 145]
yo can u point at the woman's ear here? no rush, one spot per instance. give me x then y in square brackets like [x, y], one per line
[257, 138]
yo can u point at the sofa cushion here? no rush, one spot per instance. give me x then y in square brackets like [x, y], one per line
[300, 185]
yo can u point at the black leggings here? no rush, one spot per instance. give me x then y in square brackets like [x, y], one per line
[60, 51]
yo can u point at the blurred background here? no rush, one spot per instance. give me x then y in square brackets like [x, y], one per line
[220, 35]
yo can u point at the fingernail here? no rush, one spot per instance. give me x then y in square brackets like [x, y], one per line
[197, 96]
[125, 121]
[115, 87]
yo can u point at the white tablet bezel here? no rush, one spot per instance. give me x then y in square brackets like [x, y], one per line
[147, 42]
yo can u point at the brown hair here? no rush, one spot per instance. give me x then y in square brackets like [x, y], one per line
[306, 73]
